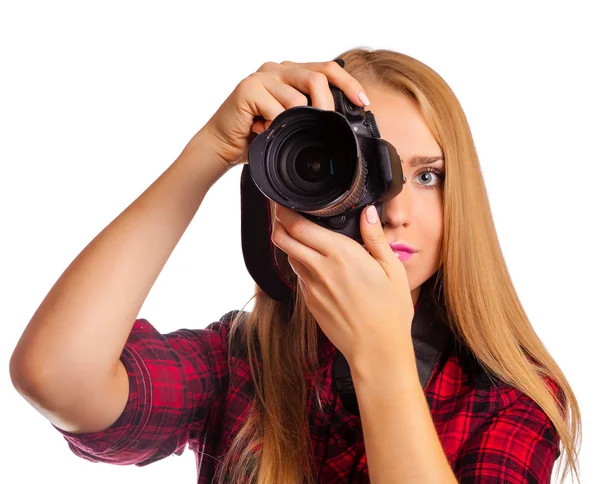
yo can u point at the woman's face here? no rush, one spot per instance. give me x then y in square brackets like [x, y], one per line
[415, 216]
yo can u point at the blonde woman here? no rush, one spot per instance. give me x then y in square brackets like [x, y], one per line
[253, 394]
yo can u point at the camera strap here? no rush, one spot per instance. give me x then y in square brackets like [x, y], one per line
[431, 335]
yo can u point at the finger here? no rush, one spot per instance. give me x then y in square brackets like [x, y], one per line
[337, 76]
[259, 126]
[285, 94]
[260, 103]
[308, 256]
[284, 97]
[319, 238]
[306, 294]
[299, 268]
[311, 82]
[376, 241]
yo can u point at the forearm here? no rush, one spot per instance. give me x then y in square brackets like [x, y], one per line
[87, 315]
[401, 442]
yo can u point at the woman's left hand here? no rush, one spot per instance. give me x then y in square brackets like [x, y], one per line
[359, 295]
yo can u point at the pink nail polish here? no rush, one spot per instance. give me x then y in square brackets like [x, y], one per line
[363, 98]
[372, 214]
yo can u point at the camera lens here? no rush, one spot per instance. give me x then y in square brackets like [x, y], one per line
[311, 165]
[313, 162]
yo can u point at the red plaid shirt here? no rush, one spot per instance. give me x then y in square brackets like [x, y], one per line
[180, 394]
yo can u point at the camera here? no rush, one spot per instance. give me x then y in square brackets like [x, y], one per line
[326, 165]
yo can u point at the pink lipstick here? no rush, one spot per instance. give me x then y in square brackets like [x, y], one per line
[402, 251]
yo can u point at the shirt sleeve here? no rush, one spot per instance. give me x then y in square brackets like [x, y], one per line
[174, 379]
[517, 446]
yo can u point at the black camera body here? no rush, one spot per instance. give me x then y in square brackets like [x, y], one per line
[326, 165]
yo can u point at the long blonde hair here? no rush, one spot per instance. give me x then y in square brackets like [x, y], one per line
[273, 444]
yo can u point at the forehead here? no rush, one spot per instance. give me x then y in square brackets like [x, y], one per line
[401, 122]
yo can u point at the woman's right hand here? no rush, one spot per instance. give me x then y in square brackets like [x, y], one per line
[268, 92]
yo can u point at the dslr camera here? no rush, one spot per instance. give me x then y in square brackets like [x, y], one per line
[326, 165]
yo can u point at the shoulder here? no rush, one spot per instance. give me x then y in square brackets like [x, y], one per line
[231, 333]
[220, 328]
[223, 325]
[472, 408]
[461, 365]
[479, 378]
[463, 388]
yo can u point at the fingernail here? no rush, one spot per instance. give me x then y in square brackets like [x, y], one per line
[363, 98]
[372, 215]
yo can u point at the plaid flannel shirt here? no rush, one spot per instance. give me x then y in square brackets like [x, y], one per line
[180, 394]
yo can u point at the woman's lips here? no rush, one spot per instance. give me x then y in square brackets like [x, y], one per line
[403, 255]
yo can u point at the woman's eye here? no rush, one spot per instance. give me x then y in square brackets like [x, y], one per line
[426, 176]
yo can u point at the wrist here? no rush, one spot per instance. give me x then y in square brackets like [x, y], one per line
[201, 160]
[378, 368]
[203, 148]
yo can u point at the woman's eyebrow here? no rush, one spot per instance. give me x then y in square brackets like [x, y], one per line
[419, 160]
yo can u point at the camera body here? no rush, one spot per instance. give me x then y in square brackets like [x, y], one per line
[326, 165]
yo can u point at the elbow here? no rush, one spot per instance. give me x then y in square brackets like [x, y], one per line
[25, 376]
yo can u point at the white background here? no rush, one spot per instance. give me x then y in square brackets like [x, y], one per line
[99, 98]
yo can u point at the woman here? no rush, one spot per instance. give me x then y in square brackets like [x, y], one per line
[253, 394]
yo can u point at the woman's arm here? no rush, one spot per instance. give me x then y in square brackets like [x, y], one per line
[401, 442]
[68, 355]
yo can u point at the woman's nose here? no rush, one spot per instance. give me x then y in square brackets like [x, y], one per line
[398, 210]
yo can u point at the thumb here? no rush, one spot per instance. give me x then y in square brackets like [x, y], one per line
[376, 242]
